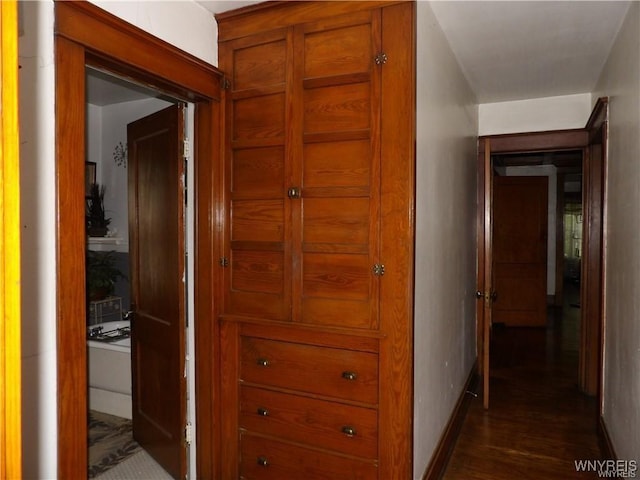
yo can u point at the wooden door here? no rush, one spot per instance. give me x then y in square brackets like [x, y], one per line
[485, 292]
[156, 240]
[520, 220]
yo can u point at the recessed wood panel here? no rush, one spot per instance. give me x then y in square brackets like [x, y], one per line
[339, 313]
[273, 460]
[338, 51]
[336, 276]
[257, 271]
[336, 220]
[258, 172]
[258, 117]
[337, 164]
[337, 108]
[259, 65]
[274, 413]
[257, 220]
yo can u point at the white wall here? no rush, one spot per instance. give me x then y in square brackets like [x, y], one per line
[114, 120]
[620, 80]
[38, 216]
[535, 115]
[552, 198]
[445, 276]
[183, 23]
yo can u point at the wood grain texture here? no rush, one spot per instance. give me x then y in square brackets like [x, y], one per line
[592, 275]
[539, 422]
[397, 242]
[117, 56]
[279, 14]
[539, 141]
[520, 250]
[157, 256]
[10, 356]
[350, 151]
[70, 260]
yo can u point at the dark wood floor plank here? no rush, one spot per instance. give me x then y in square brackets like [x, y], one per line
[538, 423]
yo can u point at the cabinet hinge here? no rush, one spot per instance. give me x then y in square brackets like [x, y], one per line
[378, 269]
[224, 262]
[186, 153]
[225, 83]
[381, 58]
[188, 434]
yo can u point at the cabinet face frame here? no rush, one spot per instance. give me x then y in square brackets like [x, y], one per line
[397, 191]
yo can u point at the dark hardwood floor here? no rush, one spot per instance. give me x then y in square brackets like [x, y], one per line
[538, 423]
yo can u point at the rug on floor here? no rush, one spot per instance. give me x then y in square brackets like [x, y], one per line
[110, 442]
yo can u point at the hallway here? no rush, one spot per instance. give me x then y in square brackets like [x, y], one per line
[538, 423]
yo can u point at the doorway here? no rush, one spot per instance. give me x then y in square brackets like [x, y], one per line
[115, 107]
[492, 148]
[87, 35]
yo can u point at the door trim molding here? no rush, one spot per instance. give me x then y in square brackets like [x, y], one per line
[574, 139]
[87, 35]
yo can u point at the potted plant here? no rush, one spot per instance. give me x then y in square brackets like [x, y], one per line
[97, 223]
[102, 274]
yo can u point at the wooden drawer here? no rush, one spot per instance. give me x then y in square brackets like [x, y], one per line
[262, 458]
[344, 428]
[332, 372]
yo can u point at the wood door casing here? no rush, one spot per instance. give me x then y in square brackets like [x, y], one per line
[520, 250]
[156, 233]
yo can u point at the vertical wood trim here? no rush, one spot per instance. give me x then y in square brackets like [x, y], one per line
[10, 382]
[205, 327]
[488, 269]
[70, 259]
[559, 273]
[397, 242]
[593, 266]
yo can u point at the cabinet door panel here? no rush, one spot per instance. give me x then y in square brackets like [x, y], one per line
[340, 52]
[337, 164]
[257, 66]
[258, 173]
[258, 117]
[337, 108]
[339, 218]
[257, 278]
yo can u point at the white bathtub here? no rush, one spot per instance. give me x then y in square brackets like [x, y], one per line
[110, 373]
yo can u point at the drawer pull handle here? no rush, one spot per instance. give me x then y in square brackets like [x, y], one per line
[263, 362]
[262, 461]
[349, 375]
[263, 412]
[349, 431]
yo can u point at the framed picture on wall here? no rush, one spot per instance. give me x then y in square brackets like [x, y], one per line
[89, 175]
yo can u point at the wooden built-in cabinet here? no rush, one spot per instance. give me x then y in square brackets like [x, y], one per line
[316, 336]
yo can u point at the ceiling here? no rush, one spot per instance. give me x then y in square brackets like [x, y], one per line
[515, 50]
[508, 50]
